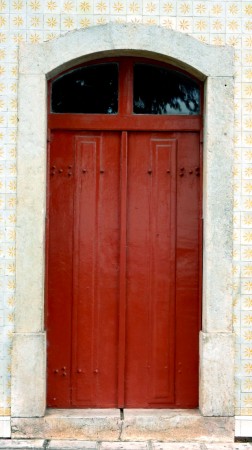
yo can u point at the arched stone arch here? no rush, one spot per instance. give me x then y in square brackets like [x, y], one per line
[37, 64]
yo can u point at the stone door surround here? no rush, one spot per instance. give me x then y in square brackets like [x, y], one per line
[213, 65]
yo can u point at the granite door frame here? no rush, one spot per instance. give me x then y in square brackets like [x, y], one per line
[211, 64]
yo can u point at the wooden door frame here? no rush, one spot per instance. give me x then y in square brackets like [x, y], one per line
[214, 66]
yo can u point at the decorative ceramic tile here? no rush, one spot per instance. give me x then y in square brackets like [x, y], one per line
[201, 8]
[200, 24]
[217, 9]
[184, 8]
[246, 302]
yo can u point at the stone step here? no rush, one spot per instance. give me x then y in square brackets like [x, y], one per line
[136, 425]
[40, 444]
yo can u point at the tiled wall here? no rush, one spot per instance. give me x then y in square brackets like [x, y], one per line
[210, 21]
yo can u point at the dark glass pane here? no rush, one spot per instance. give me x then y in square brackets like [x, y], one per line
[158, 90]
[91, 89]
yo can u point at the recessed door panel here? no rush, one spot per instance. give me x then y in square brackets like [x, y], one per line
[95, 269]
[151, 270]
[188, 270]
[59, 270]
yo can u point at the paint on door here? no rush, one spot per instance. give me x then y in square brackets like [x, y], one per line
[123, 278]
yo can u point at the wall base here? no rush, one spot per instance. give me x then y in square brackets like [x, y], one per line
[5, 427]
[137, 425]
[243, 426]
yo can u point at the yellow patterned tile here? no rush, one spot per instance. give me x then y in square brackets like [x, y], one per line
[17, 5]
[247, 41]
[246, 384]
[35, 6]
[168, 8]
[234, 25]
[246, 400]
[84, 21]
[247, 8]
[246, 321]
[245, 412]
[246, 288]
[49, 35]
[233, 9]
[52, 6]
[246, 26]
[151, 20]
[85, 7]
[101, 7]
[35, 21]
[69, 7]
[119, 7]
[200, 25]
[218, 39]
[217, 9]
[200, 8]
[18, 22]
[185, 24]
[184, 8]
[101, 19]
[68, 22]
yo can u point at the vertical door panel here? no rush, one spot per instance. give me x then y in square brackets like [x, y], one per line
[96, 269]
[150, 270]
[162, 234]
[59, 283]
[187, 272]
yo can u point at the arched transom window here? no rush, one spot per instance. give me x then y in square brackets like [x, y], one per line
[125, 85]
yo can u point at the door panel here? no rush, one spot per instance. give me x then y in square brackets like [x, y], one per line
[187, 270]
[95, 268]
[123, 251]
[150, 270]
[59, 268]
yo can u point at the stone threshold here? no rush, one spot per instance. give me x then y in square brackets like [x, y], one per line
[170, 425]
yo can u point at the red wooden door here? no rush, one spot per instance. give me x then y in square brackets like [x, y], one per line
[123, 269]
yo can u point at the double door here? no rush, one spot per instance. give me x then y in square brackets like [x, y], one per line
[123, 269]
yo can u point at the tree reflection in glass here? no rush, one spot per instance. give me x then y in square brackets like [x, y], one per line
[158, 90]
[90, 90]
